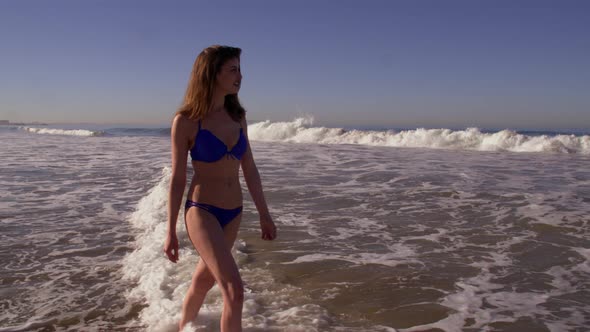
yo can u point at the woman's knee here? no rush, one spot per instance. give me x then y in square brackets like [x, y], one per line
[203, 281]
[233, 290]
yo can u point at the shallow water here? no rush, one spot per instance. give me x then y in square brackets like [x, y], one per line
[370, 238]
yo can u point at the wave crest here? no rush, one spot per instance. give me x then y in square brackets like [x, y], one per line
[301, 130]
[67, 132]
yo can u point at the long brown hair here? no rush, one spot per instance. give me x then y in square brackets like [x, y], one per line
[199, 93]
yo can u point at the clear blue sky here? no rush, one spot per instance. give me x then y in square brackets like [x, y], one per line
[509, 64]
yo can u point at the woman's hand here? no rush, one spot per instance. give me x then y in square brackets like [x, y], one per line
[171, 247]
[268, 228]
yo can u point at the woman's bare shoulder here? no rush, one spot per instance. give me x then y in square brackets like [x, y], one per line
[183, 125]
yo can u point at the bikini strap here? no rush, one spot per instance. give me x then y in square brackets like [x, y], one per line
[199, 124]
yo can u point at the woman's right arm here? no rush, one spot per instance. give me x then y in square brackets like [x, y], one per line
[180, 147]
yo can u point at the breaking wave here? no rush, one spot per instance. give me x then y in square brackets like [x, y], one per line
[67, 132]
[301, 130]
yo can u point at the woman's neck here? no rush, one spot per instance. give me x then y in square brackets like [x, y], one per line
[218, 102]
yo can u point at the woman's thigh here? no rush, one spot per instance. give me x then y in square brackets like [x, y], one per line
[213, 244]
[230, 234]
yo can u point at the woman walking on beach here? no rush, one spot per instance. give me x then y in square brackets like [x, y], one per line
[211, 126]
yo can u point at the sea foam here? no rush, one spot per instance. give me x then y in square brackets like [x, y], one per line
[162, 285]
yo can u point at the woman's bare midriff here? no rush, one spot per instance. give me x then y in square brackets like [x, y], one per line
[216, 183]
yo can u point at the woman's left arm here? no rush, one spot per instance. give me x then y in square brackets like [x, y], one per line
[252, 177]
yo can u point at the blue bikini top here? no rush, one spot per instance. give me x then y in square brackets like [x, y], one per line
[208, 148]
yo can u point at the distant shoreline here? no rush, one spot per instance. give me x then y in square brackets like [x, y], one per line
[8, 123]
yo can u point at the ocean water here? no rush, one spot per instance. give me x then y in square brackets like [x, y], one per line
[388, 230]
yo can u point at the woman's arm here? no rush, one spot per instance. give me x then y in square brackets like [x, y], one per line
[254, 184]
[180, 147]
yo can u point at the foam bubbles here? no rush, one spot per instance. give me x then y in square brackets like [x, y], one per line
[161, 284]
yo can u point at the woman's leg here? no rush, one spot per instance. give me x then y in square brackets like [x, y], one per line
[201, 283]
[202, 280]
[214, 245]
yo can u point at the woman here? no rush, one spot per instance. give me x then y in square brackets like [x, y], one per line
[211, 126]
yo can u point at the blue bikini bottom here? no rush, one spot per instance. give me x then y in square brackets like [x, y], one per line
[224, 216]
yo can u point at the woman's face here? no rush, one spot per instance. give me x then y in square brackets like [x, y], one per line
[229, 77]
